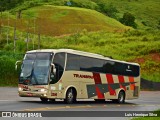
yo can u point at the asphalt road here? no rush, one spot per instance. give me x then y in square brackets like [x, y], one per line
[10, 101]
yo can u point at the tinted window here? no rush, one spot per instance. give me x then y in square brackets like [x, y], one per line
[76, 62]
[98, 65]
[72, 62]
[108, 67]
[118, 68]
[131, 70]
[59, 61]
[86, 63]
[82, 63]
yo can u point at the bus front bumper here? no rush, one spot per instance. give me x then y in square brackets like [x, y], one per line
[32, 94]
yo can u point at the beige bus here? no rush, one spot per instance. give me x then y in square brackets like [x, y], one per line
[70, 75]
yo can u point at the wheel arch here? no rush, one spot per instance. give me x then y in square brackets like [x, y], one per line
[70, 87]
[122, 89]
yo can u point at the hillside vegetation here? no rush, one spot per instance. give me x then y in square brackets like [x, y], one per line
[133, 46]
[59, 20]
[146, 12]
[73, 26]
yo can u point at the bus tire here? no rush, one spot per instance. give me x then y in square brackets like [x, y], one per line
[52, 100]
[99, 100]
[44, 100]
[70, 96]
[121, 97]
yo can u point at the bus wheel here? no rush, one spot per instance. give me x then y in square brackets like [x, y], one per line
[99, 100]
[121, 97]
[44, 99]
[70, 96]
[52, 100]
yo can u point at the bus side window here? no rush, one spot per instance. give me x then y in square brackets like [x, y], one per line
[72, 62]
[59, 61]
[108, 67]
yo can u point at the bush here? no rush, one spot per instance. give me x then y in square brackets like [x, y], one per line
[128, 19]
[7, 64]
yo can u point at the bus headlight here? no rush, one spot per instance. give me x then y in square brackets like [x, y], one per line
[42, 90]
[19, 89]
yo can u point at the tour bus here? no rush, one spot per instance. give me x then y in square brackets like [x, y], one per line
[70, 75]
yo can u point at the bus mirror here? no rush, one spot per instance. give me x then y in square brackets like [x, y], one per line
[52, 77]
[16, 64]
[53, 69]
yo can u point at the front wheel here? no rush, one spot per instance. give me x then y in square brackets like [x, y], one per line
[44, 99]
[70, 96]
[99, 100]
[52, 100]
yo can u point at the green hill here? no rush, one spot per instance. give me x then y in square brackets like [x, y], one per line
[82, 29]
[146, 12]
[59, 20]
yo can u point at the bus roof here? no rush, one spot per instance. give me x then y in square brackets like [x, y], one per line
[87, 54]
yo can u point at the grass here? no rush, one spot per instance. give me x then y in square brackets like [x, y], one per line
[58, 20]
[81, 29]
[146, 12]
[142, 47]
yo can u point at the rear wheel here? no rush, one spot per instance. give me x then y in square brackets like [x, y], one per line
[44, 99]
[121, 97]
[70, 96]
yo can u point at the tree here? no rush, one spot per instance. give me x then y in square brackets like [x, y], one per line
[108, 9]
[129, 20]
[9, 4]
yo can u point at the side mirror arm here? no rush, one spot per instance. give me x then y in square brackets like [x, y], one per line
[53, 69]
[16, 64]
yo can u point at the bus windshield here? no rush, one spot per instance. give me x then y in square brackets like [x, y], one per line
[35, 68]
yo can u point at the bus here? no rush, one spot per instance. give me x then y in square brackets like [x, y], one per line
[69, 75]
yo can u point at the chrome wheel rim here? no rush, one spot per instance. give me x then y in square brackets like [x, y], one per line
[70, 96]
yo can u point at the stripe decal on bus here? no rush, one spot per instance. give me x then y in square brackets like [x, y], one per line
[121, 81]
[132, 86]
[103, 88]
[98, 89]
[97, 80]
[110, 81]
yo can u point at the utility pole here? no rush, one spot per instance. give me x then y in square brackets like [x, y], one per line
[15, 24]
[27, 34]
[8, 29]
[39, 36]
[1, 21]
[39, 41]
[34, 32]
